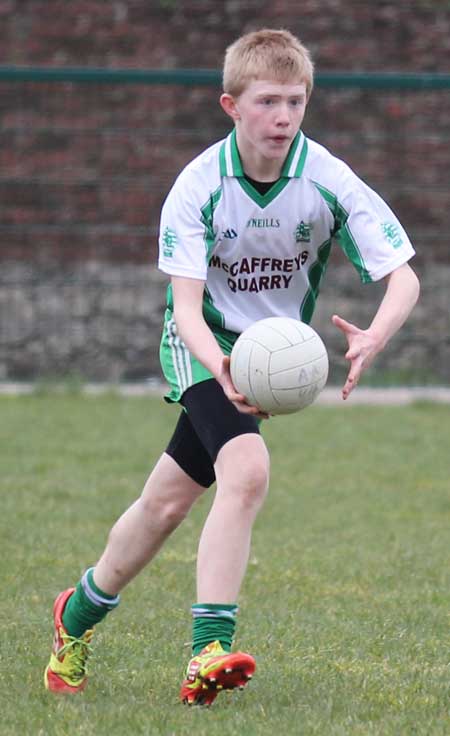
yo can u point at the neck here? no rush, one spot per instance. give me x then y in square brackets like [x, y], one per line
[258, 167]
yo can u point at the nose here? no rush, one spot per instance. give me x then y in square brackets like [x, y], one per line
[283, 117]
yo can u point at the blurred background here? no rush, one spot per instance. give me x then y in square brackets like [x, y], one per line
[92, 137]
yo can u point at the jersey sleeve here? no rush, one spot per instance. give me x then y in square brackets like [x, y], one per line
[183, 236]
[367, 230]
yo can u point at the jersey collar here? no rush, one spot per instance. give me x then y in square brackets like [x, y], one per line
[231, 165]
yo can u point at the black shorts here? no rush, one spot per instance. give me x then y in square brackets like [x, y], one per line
[207, 422]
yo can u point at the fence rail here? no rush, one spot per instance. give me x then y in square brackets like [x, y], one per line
[87, 156]
[189, 77]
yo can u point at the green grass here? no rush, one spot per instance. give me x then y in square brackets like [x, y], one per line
[345, 604]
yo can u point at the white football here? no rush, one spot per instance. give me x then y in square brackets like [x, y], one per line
[279, 364]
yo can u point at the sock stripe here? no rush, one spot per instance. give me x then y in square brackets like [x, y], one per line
[213, 622]
[207, 613]
[93, 596]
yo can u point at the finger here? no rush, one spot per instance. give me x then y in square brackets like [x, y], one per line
[255, 410]
[355, 371]
[245, 408]
[353, 377]
[353, 353]
[236, 398]
[343, 325]
[226, 366]
[348, 388]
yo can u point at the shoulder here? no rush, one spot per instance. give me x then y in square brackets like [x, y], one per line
[325, 169]
[337, 183]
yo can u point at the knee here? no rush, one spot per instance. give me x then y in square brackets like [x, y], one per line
[253, 482]
[166, 514]
[244, 470]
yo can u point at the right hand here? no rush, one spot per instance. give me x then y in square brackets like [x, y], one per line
[236, 398]
[363, 346]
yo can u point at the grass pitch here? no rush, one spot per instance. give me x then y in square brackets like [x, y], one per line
[346, 600]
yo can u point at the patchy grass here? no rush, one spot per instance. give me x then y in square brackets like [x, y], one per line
[345, 604]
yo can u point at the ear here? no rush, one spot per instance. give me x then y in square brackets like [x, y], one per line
[228, 104]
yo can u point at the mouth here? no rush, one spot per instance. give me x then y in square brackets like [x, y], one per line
[279, 139]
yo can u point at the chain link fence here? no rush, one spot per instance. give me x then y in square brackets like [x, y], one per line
[86, 159]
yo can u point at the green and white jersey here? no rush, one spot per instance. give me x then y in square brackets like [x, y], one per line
[265, 255]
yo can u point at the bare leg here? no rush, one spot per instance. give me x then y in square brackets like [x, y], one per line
[137, 536]
[242, 472]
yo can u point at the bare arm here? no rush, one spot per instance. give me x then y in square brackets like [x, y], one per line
[402, 292]
[198, 338]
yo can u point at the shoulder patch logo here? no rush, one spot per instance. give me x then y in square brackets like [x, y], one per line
[391, 232]
[303, 232]
[169, 240]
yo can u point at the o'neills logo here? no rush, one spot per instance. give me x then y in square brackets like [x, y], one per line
[241, 272]
[263, 222]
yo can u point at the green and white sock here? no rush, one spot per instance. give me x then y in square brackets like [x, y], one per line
[87, 606]
[213, 621]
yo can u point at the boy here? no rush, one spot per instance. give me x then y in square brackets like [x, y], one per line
[245, 234]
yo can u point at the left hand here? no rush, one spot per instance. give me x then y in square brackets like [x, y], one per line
[234, 396]
[362, 349]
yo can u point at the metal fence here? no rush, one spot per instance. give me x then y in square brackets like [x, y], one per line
[86, 159]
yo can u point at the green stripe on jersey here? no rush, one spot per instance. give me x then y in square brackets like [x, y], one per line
[230, 163]
[262, 200]
[207, 219]
[222, 160]
[343, 233]
[295, 160]
[212, 315]
[315, 275]
[235, 157]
